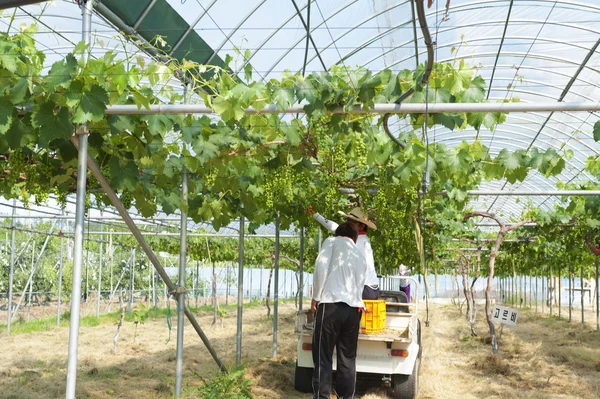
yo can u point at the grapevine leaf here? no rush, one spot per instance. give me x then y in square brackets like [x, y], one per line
[283, 97]
[91, 106]
[52, 123]
[124, 177]
[476, 91]
[121, 123]
[171, 203]
[597, 131]
[517, 174]
[305, 91]
[158, 125]
[20, 133]
[73, 96]
[291, 133]
[392, 90]
[493, 170]
[441, 96]
[19, 91]
[229, 109]
[140, 99]
[450, 121]
[6, 111]
[592, 205]
[248, 72]
[9, 59]
[513, 160]
[475, 119]
[61, 73]
[369, 83]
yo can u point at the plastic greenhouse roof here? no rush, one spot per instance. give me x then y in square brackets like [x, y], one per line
[538, 50]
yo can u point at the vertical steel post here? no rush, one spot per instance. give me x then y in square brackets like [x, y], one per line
[276, 287]
[582, 304]
[100, 272]
[301, 270]
[530, 290]
[196, 292]
[570, 292]
[131, 271]
[550, 290]
[559, 293]
[544, 297]
[227, 284]
[82, 132]
[597, 299]
[181, 284]
[260, 293]
[240, 294]
[12, 265]
[60, 273]
[536, 291]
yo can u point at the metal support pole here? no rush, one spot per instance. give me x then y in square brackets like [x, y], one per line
[550, 290]
[227, 284]
[544, 294]
[181, 285]
[597, 299]
[559, 293]
[196, 291]
[530, 291]
[301, 270]
[131, 271]
[82, 134]
[570, 291]
[582, 304]
[112, 196]
[276, 287]
[60, 274]
[536, 291]
[12, 266]
[240, 294]
[100, 274]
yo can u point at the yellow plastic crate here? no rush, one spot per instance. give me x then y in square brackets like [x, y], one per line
[373, 321]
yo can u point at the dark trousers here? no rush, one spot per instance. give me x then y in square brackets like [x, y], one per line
[370, 293]
[336, 325]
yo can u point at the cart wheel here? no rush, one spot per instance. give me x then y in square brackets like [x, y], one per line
[303, 379]
[407, 386]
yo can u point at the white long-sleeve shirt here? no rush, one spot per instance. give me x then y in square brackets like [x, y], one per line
[363, 243]
[340, 273]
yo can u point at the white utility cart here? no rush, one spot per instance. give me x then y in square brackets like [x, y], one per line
[390, 358]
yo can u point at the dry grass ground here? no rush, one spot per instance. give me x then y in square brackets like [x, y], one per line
[540, 358]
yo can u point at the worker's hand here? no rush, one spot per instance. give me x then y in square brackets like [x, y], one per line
[313, 306]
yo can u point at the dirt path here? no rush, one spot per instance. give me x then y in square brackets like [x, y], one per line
[540, 358]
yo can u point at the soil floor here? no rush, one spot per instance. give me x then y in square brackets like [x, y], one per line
[542, 357]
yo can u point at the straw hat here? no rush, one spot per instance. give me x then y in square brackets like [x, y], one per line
[358, 215]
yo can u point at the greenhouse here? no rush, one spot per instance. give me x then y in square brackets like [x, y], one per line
[179, 180]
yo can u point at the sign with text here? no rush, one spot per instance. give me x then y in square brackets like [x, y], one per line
[505, 315]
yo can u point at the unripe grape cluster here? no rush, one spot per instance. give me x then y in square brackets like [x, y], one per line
[279, 186]
[360, 151]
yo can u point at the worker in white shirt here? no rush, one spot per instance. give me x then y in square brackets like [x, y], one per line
[338, 279]
[362, 223]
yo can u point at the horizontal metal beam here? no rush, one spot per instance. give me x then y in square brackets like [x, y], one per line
[17, 3]
[523, 193]
[556, 193]
[405, 108]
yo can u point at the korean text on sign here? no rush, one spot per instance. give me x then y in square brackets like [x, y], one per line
[505, 315]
